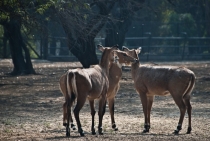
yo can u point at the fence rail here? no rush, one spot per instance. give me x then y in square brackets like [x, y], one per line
[169, 48]
[153, 48]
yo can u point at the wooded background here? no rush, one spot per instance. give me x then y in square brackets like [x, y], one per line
[40, 29]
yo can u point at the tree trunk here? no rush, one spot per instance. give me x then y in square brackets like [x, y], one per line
[84, 50]
[112, 35]
[5, 39]
[81, 41]
[115, 33]
[28, 63]
[17, 46]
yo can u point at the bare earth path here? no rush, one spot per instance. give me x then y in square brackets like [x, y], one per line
[31, 107]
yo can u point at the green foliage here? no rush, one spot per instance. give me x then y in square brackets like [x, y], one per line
[33, 45]
[45, 6]
[29, 13]
[1, 41]
[186, 23]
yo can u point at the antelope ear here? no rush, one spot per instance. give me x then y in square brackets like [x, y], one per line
[101, 48]
[116, 46]
[138, 50]
[124, 48]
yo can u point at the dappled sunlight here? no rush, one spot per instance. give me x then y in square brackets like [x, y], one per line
[31, 108]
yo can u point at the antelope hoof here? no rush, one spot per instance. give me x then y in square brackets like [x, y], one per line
[81, 132]
[93, 131]
[179, 127]
[100, 131]
[114, 127]
[73, 127]
[67, 132]
[189, 129]
[64, 124]
[176, 132]
[145, 131]
[146, 128]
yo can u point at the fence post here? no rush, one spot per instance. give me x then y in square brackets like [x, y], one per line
[58, 46]
[149, 40]
[185, 40]
[45, 41]
[142, 34]
[4, 55]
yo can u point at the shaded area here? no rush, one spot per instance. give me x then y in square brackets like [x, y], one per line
[31, 107]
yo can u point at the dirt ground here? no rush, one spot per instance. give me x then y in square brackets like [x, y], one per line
[31, 107]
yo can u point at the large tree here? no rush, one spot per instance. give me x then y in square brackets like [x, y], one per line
[82, 22]
[12, 14]
[24, 16]
[122, 17]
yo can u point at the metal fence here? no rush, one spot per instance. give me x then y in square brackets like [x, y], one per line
[168, 48]
[171, 48]
[153, 48]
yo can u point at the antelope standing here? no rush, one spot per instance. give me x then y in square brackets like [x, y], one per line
[114, 77]
[151, 80]
[115, 74]
[91, 83]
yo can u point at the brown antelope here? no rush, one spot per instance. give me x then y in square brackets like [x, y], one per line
[115, 74]
[91, 83]
[151, 80]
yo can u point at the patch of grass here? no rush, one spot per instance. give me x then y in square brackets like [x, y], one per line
[105, 128]
[7, 122]
[21, 126]
[111, 131]
[47, 125]
[142, 125]
[85, 123]
[6, 130]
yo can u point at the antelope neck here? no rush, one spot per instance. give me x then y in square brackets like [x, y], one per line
[134, 68]
[104, 63]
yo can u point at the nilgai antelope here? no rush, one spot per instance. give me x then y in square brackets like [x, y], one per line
[151, 80]
[92, 83]
[115, 74]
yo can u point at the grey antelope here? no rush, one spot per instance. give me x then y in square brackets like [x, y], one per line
[151, 80]
[115, 74]
[92, 83]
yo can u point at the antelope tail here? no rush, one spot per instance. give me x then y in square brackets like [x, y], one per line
[190, 86]
[71, 83]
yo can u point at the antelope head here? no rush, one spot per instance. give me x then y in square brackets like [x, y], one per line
[132, 52]
[124, 57]
[111, 51]
[120, 56]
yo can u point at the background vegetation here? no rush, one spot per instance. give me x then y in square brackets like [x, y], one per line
[23, 22]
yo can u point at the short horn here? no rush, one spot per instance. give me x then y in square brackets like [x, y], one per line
[116, 46]
[124, 48]
[99, 46]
